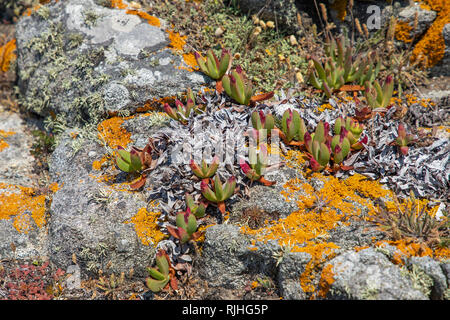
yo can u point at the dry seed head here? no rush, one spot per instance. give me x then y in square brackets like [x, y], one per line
[218, 32]
[366, 31]
[416, 21]
[262, 24]
[299, 20]
[270, 24]
[350, 4]
[323, 9]
[358, 26]
[299, 77]
[255, 19]
[257, 31]
[237, 56]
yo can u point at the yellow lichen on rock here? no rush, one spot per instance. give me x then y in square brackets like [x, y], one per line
[146, 225]
[3, 135]
[23, 205]
[7, 55]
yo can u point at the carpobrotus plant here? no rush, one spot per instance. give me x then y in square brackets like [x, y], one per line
[258, 164]
[237, 86]
[339, 67]
[377, 96]
[162, 275]
[212, 66]
[222, 191]
[186, 227]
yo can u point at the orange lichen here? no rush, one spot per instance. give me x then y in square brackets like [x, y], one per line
[30, 11]
[306, 229]
[403, 31]
[326, 280]
[22, 204]
[153, 21]
[431, 48]
[3, 143]
[406, 248]
[146, 225]
[118, 4]
[112, 132]
[7, 55]
[177, 42]
[190, 60]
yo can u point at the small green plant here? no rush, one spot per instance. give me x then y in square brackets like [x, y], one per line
[258, 164]
[128, 161]
[197, 209]
[205, 171]
[412, 220]
[182, 112]
[212, 66]
[261, 121]
[403, 139]
[377, 96]
[162, 275]
[293, 128]
[353, 130]
[340, 68]
[222, 191]
[237, 86]
[186, 227]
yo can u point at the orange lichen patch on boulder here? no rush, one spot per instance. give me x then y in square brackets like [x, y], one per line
[177, 43]
[146, 225]
[112, 132]
[294, 158]
[156, 103]
[412, 99]
[325, 106]
[431, 48]
[403, 31]
[22, 204]
[153, 21]
[190, 60]
[7, 55]
[30, 11]
[306, 229]
[406, 248]
[326, 280]
[118, 4]
[3, 135]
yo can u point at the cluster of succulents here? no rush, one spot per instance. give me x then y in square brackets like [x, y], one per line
[377, 96]
[182, 112]
[340, 68]
[218, 192]
[163, 275]
[186, 229]
[258, 164]
[403, 139]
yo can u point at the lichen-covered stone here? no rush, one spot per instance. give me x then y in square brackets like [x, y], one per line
[85, 60]
[433, 269]
[369, 275]
[290, 269]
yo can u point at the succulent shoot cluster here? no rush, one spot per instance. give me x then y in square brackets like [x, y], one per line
[212, 66]
[162, 275]
[339, 67]
[186, 227]
[237, 86]
[258, 164]
[182, 112]
[218, 192]
[377, 96]
[403, 139]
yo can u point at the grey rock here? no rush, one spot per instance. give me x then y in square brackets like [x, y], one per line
[368, 274]
[73, 280]
[443, 66]
[290, 269]
[433, 269]
[86, 60]
[228, 262]
[16, 167]
[89, 224]
[425, 18]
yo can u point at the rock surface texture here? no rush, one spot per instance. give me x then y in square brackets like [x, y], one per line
[79, 61]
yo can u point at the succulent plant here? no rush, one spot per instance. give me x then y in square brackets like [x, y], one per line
[262, 121]
[222, 191]
[320, 135]
[412, 220]
[403, 139]
[340, 147]
[160, 276]
[205, 171]
[353, 130]
[377, 96]
[237, 86]
[320, 156]
[128, 161]
[212, 66]
[293, 127]
[197, 209]
[258, 164]
[186, 227]
[340, 68]
[182, 112]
